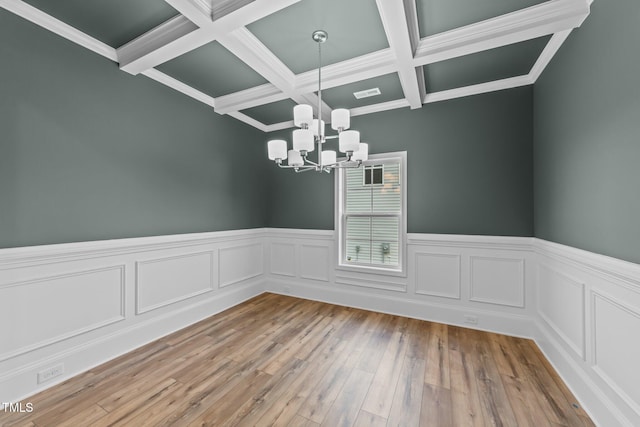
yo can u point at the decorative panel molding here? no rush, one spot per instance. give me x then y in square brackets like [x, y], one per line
[437, 274]
[616, 348]
[561, 303]
[283, 259]
[314, 262]
[239, 263]
[51, 309]
[167, 280]
[497, 280]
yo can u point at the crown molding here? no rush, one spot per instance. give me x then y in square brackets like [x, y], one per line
[535, 21]
[548, 53]
[130, 54]
[58, 27]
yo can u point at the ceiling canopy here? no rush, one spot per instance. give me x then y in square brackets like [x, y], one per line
[255, 59]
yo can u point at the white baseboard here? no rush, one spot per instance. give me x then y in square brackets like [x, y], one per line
[504, 323]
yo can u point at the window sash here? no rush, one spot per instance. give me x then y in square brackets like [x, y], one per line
[399, 161]
[371, 241]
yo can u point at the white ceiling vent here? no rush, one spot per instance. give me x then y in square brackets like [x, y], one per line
[367, 93]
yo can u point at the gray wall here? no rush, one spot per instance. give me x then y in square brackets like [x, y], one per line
[587, 136]
[469, 168]
[89, 152]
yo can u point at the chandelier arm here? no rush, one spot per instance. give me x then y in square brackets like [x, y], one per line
[304, 169]
[347, 164]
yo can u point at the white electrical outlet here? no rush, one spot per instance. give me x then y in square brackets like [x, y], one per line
[471, 320]
[49, 373]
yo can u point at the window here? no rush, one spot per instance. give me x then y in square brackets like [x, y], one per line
[371, 214]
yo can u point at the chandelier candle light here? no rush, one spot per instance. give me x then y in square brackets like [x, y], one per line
[311, 133]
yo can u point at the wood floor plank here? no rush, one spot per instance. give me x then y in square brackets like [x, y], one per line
[437, 360]
[436, 409]
[282, 361]
[552, 400]
[577, 409]
[525, 406]
[380, 396]
[407, 399]
[465, 400]
[367, 419]
[300, 421]
[493, 397]
[345, 408]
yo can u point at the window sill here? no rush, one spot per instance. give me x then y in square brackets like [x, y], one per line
[378, 271]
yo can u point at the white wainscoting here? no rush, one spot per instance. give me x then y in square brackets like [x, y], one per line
[588, 326]
[448, 277]
[82, 304]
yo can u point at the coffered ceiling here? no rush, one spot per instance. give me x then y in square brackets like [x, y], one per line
[255, 59]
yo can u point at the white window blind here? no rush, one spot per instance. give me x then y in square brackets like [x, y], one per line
[371, 216]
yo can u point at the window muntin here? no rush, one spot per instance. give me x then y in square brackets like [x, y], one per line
[371, 214]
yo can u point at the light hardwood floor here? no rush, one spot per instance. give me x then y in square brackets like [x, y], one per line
[277, 360]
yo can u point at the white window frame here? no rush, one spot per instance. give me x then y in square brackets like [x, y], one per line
[340, 216]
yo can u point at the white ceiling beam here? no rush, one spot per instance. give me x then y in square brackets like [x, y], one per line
[243, 44]
[248, 98]
[395, 23]
[341, 73]
[414, 35]
[32, 14]
[180, 87]
[548, 53]
[136, 56]
[376, 108]
[197, 11]
[280, 126]
[535, 21]
[493, 86]
[250, 121]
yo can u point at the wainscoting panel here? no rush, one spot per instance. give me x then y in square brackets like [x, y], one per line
[616, 352]
[283, 259]
[163, 281]
[561, 303]
[51, 309]
[239, 263]
[438, 274]
[315, 262]
[497, 280]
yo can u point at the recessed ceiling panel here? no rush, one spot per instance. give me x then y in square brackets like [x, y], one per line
[114, 22]
[495, 64]
[276, 112]
[354, 28]
[342, 96]
[213, 70]
[436, 16]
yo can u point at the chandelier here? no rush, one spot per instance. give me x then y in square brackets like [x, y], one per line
[312, 134]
